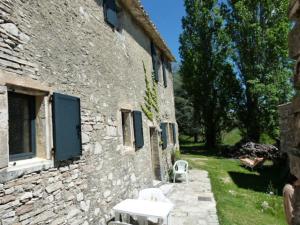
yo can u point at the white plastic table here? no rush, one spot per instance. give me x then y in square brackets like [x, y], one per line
[143, 209]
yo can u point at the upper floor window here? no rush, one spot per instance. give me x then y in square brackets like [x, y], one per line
[111, 13]
[154, 62]
[164, 69]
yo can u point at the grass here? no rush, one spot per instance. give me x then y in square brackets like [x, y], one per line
[243, 197]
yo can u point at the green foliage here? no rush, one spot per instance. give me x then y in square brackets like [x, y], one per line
[232, 137]
[185, 117]
[150, 106]
[258, 31]
[207, 74]
[266, 139]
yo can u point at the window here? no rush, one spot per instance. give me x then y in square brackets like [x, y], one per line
[171, 133]
[164, 135]
[111, 13]
[165, 78]
[154, 62]
[127, 128]
[21, 114]
[34, 125]
[168, 134]
[132, 129]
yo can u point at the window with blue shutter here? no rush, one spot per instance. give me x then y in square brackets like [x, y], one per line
[174, 133]
[66, 126]
[164, 135]
[154, 62]
[164, 72]
[138, 129]
[111, 12]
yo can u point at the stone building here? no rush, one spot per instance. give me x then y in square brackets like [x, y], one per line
[86, 109]
[290, 112]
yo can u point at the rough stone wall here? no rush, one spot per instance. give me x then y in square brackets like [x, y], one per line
[290, 113]
[67, 45]
[286, 125]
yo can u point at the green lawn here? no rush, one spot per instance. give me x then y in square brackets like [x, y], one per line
[242, 196]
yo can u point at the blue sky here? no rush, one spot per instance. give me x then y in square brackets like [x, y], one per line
[167, 15]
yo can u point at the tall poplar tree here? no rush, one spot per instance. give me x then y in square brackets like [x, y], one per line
[206, 71]
[259, 30]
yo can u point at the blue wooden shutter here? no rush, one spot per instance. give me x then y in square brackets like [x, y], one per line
[110, 12]
[174, 132]
[154, 63]
[164, 135]
[138, 129]
[66, 126]
[164, 72]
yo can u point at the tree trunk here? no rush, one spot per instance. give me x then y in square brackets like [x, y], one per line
[252, 118]
[210, 136]
[196, 139]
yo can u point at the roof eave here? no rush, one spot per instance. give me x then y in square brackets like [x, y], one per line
[136, 9]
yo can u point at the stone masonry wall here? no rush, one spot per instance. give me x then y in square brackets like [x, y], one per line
[290, 113]
[67, 45]
[286, 125]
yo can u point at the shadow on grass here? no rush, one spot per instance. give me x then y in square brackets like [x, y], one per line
[269, 178]
[200, 149]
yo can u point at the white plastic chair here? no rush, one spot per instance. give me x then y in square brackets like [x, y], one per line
[181, 167]
[154, 194]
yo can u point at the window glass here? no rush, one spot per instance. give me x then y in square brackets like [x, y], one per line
[21, 113]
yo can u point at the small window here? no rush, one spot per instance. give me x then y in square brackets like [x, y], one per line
[111, 13]
[154, 62]
[21, 113]
[171, 133]
[127, 128]
[164, 69]
[164, 135]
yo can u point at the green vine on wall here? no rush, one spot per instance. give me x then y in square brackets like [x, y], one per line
[150, 107]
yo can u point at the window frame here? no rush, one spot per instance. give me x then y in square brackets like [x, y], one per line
[171, 134]
[33, 139]
[131, 129]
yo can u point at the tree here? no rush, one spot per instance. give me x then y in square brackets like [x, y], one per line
[206, 71]
[259, 31]
[186, 118]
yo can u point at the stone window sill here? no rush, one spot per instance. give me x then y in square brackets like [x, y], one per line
[128, 150]
[18, 168]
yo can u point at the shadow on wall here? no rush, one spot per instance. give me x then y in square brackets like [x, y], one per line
[128, 24]
[269, 178]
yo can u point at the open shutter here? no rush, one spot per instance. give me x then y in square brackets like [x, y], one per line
[110, 11]
[164, 72]
[138, 129]
[154, 63]
[174, 133]
[66, 126]
[164, 135]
